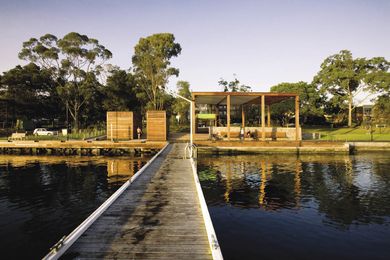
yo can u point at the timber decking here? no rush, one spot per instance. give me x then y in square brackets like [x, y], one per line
[157, 217]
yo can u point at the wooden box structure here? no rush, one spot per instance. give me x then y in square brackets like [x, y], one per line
[120, 125]
[156, 125]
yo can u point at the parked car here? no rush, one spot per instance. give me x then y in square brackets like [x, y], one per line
[44, 131]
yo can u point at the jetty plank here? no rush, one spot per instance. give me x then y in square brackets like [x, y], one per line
[157, 217]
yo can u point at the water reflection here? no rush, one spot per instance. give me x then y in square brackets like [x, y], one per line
[343, 188]
[336, 205]
[43, 198]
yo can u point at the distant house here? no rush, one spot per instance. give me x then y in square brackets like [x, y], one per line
[363, 113]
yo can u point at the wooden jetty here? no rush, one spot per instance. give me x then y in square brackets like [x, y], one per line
[161, 215]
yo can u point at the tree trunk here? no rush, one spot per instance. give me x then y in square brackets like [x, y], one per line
[75, 116]
[350, 111]
[76, 120]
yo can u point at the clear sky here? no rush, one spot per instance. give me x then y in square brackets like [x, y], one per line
[263, 42]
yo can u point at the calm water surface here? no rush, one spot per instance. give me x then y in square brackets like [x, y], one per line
[44, 198]
[308, 207]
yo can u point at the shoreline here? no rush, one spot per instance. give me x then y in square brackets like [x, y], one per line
[108, 148]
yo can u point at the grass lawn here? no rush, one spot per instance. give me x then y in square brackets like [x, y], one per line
[350, 134]
[72, 136]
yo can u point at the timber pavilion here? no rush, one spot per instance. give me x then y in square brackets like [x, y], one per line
[227, 115]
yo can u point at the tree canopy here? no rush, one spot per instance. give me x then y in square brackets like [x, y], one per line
[233, 86]
[75, 62]
[151, 61]
[311, 102]
[120, 92]
[180, 106]
[342, 78]
[30, 91]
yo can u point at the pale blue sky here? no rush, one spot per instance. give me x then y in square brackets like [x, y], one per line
[263, 42]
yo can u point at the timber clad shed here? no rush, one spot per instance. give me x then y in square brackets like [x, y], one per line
[156, 125]
[120, 125]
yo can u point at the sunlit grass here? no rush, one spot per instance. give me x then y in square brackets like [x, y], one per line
[351, 134]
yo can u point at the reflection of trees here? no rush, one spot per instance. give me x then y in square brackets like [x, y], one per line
[344, 202]
[273, 182]
[42, 192]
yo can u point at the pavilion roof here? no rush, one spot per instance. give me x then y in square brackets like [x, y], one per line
[240, 98]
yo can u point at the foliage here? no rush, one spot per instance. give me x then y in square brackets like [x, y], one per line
[180, 106]
[381, 110]
[208, 175]
[75, 62]
[309, 97]
[119, 93]
[342, 77]
[152, 69]
[233, 86]
[30, 92]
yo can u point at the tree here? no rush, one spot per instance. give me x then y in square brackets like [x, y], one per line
[377, 75]
[341, 77]
[75, 61]
[311, 102]
[152, 69]
[120, 92]
[233, 86]
[31, 91]
[180, 106]
[381, 110]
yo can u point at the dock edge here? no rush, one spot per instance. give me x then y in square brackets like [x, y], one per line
[212, 237]
[61, 246]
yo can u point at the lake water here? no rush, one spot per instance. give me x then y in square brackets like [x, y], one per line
[45, 198]
[307, 207]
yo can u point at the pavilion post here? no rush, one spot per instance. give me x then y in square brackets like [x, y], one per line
[268, 116]
[297, 118]
[263, 117]
[243, 121]
[242, 116]
[193, 122]
[228, 116]
[216, 115]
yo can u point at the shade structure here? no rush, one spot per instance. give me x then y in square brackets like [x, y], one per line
[262, 99]
[240, 98]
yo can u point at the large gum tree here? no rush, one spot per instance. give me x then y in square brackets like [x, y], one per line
[75, 62]
[152, 69]
[342, 78]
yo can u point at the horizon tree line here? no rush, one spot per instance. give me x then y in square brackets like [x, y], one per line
[72, 76]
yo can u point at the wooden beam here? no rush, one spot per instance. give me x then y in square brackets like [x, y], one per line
[297, 137]
[263, 117]
[268, 116]
[228, 116]
[268, 94]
